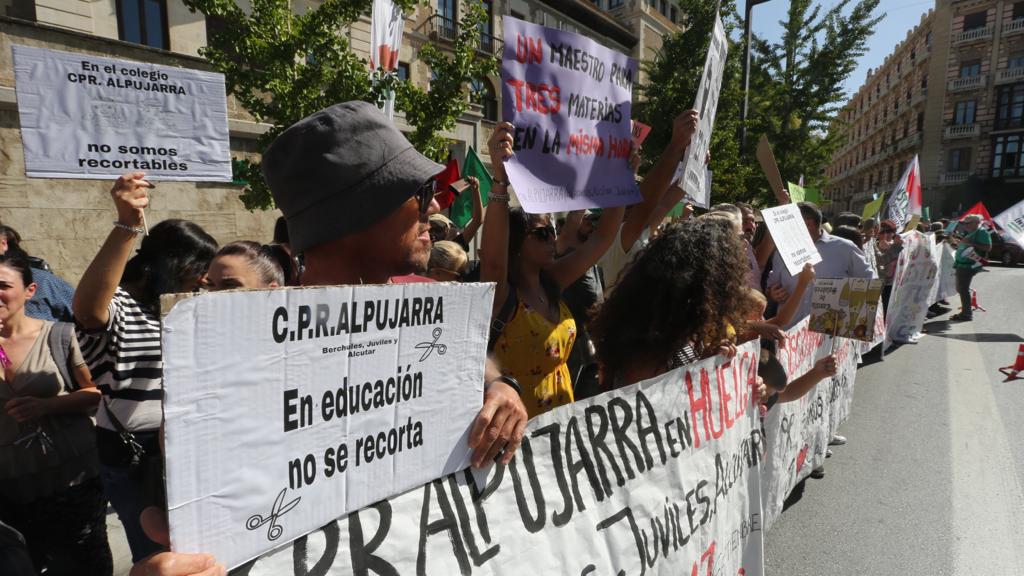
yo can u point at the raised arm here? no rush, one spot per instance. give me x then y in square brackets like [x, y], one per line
[99, 282]
[494, 246]
[823, 368]
[568, 269]
[469, 232]
[788, 309]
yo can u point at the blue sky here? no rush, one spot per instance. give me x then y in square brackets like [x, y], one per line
[901, 16]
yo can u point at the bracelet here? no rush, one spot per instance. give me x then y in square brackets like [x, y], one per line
[127, 228]
[500, 182]
[494, 196]
[505, 378]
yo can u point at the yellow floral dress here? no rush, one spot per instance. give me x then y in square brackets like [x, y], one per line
[534, 351]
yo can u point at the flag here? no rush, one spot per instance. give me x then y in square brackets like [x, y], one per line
[443, 192]
[905, 200]
[980, 210]
[927, 213]
[872, 208]
[462, 208]
[1012, 222]
[385, 42]
[796, 191]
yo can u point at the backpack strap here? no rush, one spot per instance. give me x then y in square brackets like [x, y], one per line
[59, 340]
[498, 323]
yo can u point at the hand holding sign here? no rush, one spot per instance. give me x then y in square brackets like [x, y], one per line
[130, 198]
[684, 127]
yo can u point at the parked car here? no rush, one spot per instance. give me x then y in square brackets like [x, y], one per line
[1005, 250]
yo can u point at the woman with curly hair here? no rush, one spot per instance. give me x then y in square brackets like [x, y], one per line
[679, 301]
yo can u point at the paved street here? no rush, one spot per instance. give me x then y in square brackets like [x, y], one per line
[932, 479]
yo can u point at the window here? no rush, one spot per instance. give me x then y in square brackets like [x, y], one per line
[402, 71]
[487, 27]
[447, 16]
[924, 83]
[143, 22]
[928, 40]
[482, 93]
[908, 94]
[960, 160]
[1007, 160]
[518, 16]
[920, 121]
[1016, 60]
[889, 179]
[1010, 107]
[663, 8]
[963, 112]
[970, 68]
[975, 20]
[913, 54]
[613, 4]
[596, 3]
[1018, 10]
[675, 15]
[906, 129]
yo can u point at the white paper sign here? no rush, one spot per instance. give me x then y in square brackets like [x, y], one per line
[662, 477]
[1012, 222]
[694, 179]
[794, 243]
[285, 409]
[85, 116]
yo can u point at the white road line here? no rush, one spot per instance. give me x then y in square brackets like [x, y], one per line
[987, 495]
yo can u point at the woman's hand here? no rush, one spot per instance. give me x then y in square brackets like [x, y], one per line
[130, 197]
[500, 142]
[26, 408]
[178, 564]
[827, 367]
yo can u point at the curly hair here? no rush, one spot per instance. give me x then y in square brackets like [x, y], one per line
[686, 287]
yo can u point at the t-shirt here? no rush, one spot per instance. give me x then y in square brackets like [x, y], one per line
[127, 364]
[615, 259]
[979, 236]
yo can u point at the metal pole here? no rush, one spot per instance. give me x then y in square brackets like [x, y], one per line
[746, 77]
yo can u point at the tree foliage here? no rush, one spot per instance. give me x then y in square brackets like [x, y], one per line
[795, 90]
[283, 66]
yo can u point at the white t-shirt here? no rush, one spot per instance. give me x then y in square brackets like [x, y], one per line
[615, 259]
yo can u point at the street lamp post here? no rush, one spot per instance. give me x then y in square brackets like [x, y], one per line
[746, 71]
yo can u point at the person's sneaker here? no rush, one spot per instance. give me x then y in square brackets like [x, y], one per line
[961, 317]
[828, 453]
[818, 473]
[837, 440]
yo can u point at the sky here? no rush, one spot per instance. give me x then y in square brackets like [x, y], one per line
[901, 16]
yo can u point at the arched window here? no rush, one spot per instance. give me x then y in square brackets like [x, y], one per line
[482, 93]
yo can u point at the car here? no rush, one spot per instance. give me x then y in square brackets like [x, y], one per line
[1005, 250]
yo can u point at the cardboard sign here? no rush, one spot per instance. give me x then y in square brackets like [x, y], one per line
[1012, 222]
[695, 162]
[845, 307]
[570, 100]
[662, 477]
[791, 237]
[771, 170]
[85, 116]
[640, 132]
[285, 409]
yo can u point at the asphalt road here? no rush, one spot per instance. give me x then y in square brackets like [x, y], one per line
[932, 480]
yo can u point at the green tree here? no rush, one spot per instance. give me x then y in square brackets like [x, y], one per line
[283, 66]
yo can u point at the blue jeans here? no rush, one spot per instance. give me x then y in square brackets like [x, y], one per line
[124, 491]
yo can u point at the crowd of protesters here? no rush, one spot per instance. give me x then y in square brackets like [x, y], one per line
[606, 300]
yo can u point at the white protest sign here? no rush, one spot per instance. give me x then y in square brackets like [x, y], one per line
[285, 409]
[694, 179]
[660, 477]
[794, 243]
[845, 307]
[1012, 222]
[85, 116]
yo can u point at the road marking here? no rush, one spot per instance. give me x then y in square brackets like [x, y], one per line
[987, 494]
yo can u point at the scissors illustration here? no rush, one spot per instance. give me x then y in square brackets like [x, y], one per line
[430, 346]
[280, 509]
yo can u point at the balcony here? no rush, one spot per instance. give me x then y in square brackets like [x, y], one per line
[918, 98]
[951, 178]
[1010, 75]
[975, 35]
[908, 142]
[443, 29]
[1013, 27]
[962, 131]
[967, 83]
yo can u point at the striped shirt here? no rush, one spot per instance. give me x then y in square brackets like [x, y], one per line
[127, 364]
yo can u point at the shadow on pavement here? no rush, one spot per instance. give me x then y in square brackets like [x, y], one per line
[983, 337]
[795, 495]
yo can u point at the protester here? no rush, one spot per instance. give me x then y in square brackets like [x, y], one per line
[850, 233]
[52, 299]
[248, 264]
[117, 308]
[869, 229]
[749, 220]
[447, 262]
[971, 249]
[887, 252]
[847, 219]
[49, 486]
[743, 224]
[442, 227]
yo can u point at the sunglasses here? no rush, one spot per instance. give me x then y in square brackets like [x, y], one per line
[543, 233]
[425, 195]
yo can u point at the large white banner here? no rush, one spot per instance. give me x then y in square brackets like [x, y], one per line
[945, 288]
[694, 178]
[1012, 222]
[660, 477]
[285, 409]
[85, 116]
[916, 273]
[794, 242]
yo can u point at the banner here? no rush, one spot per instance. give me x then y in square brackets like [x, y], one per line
[694, 180]
[660, 477]
[343, 396]
[85, 116]
[845, 307]
[945, 288]
[905, 200]
[916, 271]
[385, 44]
[789, 232]
[570, 100]
[1012, 222]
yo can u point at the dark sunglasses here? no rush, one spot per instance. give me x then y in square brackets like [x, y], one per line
[425, 195]
[543, 233]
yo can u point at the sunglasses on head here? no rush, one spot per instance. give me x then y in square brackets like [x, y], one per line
[543, 233]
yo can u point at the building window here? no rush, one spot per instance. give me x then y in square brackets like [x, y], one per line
[960, 160]
[487, 27]
[143, 22]
[1016, 60]
[613, 4]
[913, 54]
[1007, 160]
[402, 71]
[924, 83]
[970, 68]
[518, 16]
[963, 112]
[663, 8]
[1010, 107]
[596, 3]
[928, 40]
[675, 15]
[482, 93]
[920, 121]
[975, 20]
[1018, 10]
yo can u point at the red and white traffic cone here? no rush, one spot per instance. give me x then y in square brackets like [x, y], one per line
[974, 301]
[1012, 372]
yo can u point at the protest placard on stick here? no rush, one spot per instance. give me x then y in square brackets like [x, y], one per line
[285, 409]
[794, 243]
[771, 170]
[85, 116]
[845, 307]
[570, 101]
